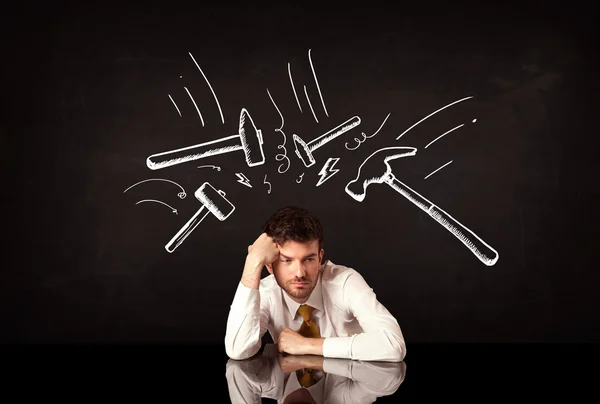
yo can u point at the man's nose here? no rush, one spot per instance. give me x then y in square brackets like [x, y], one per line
[300, 270]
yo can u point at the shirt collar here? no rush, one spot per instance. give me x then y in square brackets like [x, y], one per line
[315, 299]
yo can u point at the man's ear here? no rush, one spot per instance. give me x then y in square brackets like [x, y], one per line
[321, 254]
[269, 268]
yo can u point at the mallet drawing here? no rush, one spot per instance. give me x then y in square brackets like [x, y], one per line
[249, 139]
[376, 169]
[214, 202]
[305, 150]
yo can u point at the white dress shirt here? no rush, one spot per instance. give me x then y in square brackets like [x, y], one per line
[353, 322]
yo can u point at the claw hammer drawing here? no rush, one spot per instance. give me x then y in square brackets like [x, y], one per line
[376, 169]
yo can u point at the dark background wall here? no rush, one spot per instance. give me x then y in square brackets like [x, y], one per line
[87, 101]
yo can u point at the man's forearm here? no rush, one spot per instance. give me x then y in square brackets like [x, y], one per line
[243, 335]
[252, 273]
[373, 346]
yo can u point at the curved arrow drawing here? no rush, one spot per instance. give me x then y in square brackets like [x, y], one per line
[154, 200]
[181, 194]
[211, 166]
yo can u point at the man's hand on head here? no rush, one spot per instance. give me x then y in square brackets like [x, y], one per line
[262, 252]
[293, 343]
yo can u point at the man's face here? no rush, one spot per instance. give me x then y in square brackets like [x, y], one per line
[297, 268]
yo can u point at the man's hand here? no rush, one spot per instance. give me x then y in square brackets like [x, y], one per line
[262, 252]
[291, 342]
[291, 363]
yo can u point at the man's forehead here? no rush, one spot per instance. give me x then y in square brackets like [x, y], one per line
[291, 248]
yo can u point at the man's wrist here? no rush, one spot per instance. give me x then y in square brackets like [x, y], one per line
[315, 346]
[252, 271]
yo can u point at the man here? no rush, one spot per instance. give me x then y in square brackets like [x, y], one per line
[308, 307]
[276, 376]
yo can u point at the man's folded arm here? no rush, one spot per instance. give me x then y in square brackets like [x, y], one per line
[246, 324]
[382, 339]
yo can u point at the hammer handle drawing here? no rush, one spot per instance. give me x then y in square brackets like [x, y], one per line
[195, 152]
[480, 248]
[187, 229]
[333, 133]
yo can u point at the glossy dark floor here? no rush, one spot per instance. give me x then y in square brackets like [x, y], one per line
[205, 374]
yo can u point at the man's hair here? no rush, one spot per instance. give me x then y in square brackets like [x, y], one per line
[292, 223]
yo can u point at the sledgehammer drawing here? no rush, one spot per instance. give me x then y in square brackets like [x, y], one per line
[375, 169]
[214, 202]
[249, 139]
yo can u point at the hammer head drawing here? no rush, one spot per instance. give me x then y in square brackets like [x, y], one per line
[251, 139]
[214, 201]
[303, 151]
[375, 169]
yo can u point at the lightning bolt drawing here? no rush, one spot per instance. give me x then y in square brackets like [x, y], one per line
[243, 180]
[327, 171]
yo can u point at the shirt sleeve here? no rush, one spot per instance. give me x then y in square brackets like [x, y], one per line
[381, 339]
[246, 323]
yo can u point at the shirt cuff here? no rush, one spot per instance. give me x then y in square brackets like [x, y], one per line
[245, 299]
[338, 347]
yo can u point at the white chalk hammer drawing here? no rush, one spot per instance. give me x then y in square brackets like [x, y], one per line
[305, 150]
[213, 201]
[249, 139]
[376, 169]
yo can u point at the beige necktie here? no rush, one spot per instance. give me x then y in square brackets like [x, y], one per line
[308, 328]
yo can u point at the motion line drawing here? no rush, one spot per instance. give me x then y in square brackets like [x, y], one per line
[294, 87]
[433, 113]
[181, 194]
[312, 68]
[195, 105]
[317, 83]
[210, 166]
[211, 90]
[444, 134]
[310, 105]
[376, 169]
[305, 150]
[161, 202]
[436, 170]
[249, 139]
[365, 137]
[213, 201]
[280, 156]
[176, 107]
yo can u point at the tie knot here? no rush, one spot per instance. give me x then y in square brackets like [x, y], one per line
[305, 311]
